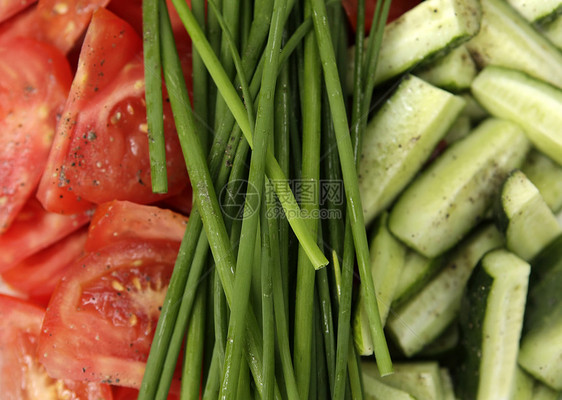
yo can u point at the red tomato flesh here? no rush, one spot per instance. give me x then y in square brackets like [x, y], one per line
[12, 7]
[34, 83]
[21, 375]
[123, 220]
[59, 23]
[37, 275]
[101, 318]
[100, 151]
[33, 230]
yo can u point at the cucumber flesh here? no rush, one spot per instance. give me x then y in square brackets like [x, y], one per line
[416, 273]
[530, 224]
[425, 316]
[374, 389]
[553, 31]
[536, 10]
[400, 139]
[531, 103]
[453, 72]
[507, 39]
[546, 175]
[491, 322]
[387, 261]
[422, 380]
[454, 193]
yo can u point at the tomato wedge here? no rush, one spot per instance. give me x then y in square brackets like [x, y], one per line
[397, 8]
[12, 7]
[37, 275]
[102, 315]
[59, 23]
[100, 152]
[123, 220]
[35, 80]
[21, 375]
[33, 230]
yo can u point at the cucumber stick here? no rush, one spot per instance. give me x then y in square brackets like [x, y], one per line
[546, 175]
[387, 261]
[400, 139]
[417, 271]
[553, 31]
[491, 321]
[541, 345]
[454, 71]
[523, 385]
[507, 39]
[425, 316]
[533, 104]
[523, 215]
[536, 10]
[454, 193]
[422, 380]
[426, 32]
[374, 389]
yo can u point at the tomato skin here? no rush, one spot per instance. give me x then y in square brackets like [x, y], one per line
[122, 220]
[397, 8]
[12, 7]
[100, 151]
[101, 318]
[33, 230]
[35, 80]
[21, 375]
[58, 23]
[37, 275]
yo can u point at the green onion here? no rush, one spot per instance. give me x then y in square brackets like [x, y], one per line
[354, 209]
[154, 107]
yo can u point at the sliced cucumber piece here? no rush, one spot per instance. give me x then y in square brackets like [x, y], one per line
[400, 139]
[523, 385]
[445, 343]
[447, 382]
[460, 129]
[491, 322]
[374, 389]
[422, 34]
[543, 392]
[453, 194]
[473, 109]
[426, 315]
[526, 219]
[536, 10]
[417, 271]
[387, 261]
[421, 379]
[507, 39]
[529, 102]
[541, 345]
[454, 71]
[546, 175]
[553, 31]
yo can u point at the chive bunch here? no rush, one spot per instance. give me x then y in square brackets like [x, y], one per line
[270, 143]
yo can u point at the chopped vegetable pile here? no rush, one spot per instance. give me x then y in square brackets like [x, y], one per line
[276, 199]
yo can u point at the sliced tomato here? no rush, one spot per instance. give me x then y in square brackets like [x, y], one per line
[100, 152]
[101, 318]
[59, 23]
[21, 375]
[33, 230]
[123, 220]
[35, 80]
[37, 275]
[12, 7]
[397, 8]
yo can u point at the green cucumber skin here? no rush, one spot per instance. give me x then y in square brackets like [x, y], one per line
[537, 11]
[499, 280]
[507, 39]
[473, 311]
[454, 193]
